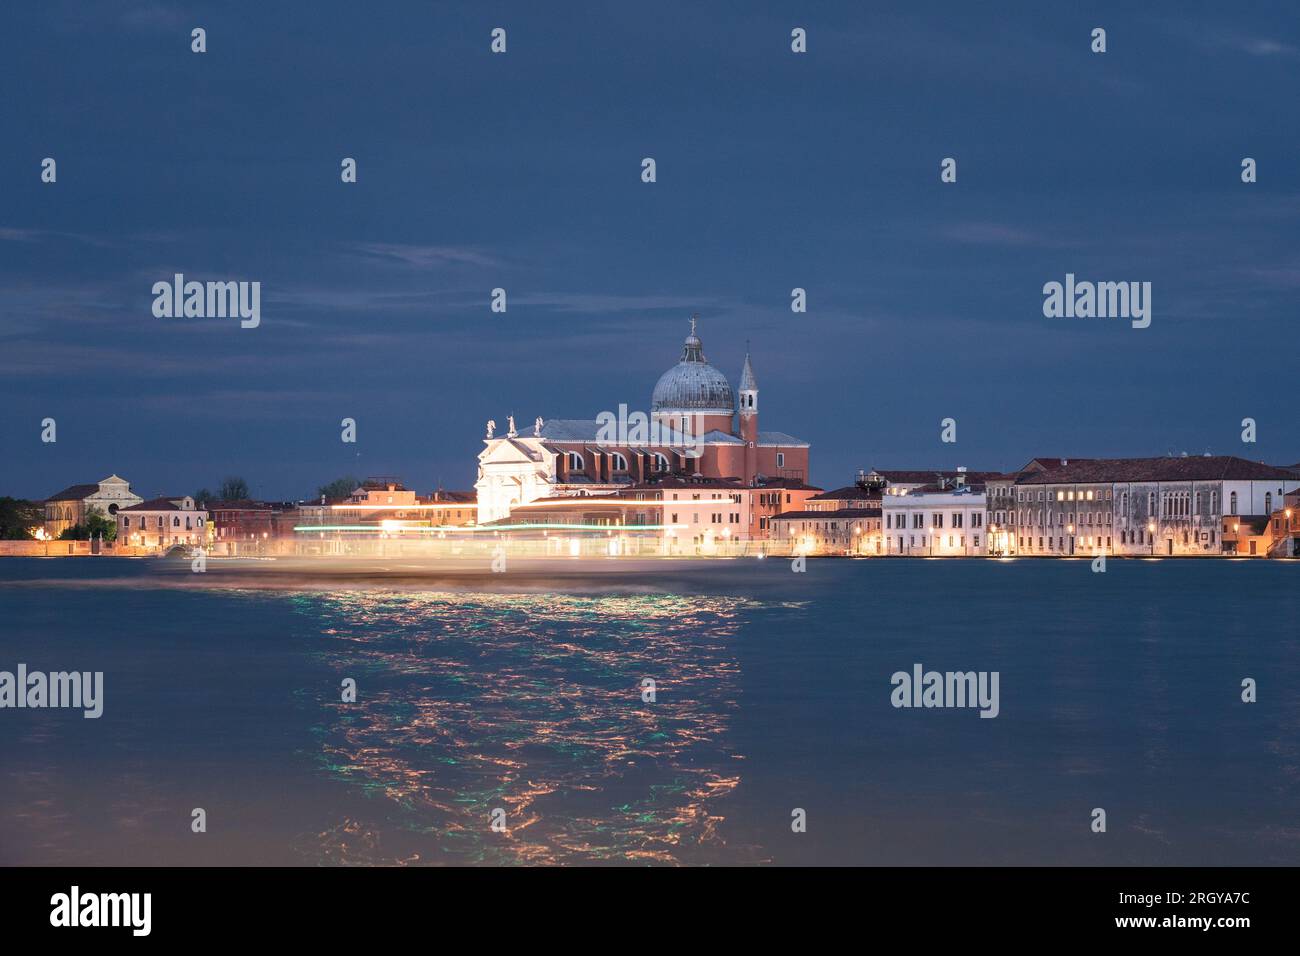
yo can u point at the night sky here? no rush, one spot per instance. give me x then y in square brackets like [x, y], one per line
[522, 170]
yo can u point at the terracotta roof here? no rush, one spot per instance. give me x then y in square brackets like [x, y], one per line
[848, 493]
[75, 493]
[787, 484]
[762, 483]
[453, 497]
[157, 504]
[1200, 468]
[685, 481]
[1049, 462]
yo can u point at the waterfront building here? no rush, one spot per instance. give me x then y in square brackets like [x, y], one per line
[71, 505]
[383, 503]
[1171, 506]
[942, 518]
[683, 515]
[845, 521]
[456, 508]
[1247, 536]
[163, 523]
[697, 425]
[242, 526]
[374, 500]
[1286, 527]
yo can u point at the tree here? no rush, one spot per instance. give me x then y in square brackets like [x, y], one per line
[97, 523]
[338, 488]
[203, 496]
[18, 518]
[233, 489]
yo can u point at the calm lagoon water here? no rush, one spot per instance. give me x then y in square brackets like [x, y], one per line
[1118, 690]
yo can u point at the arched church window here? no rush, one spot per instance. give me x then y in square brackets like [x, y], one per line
[660, 463]
[617, 462]
[576, 462]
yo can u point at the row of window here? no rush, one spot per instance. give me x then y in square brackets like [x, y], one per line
[1053, 518]
[716, 518]
[899, 519]
[1027, 494]
[835, 525]
[1094, 541]
[617, 462]
[954, 541]
[176, 522]
[1173, 504]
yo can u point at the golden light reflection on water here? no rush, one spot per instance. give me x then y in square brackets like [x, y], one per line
[530, 703]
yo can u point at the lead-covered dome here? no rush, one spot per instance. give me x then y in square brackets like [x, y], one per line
[693, 385]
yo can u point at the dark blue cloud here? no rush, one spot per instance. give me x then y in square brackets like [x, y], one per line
[522, 171]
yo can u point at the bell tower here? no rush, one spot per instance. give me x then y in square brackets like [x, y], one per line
[748, 395]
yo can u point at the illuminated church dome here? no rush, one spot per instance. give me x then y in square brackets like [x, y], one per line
[693, 385]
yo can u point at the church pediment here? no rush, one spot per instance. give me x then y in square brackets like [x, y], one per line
[507, 451]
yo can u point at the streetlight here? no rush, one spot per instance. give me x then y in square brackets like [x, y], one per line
[1151, 533]
[932, 541]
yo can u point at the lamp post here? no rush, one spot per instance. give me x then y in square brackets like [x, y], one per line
[932, 541]
[1151, 533]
